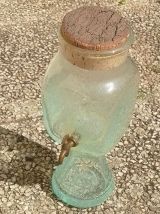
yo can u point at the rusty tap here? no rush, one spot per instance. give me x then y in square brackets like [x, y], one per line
[67, 143]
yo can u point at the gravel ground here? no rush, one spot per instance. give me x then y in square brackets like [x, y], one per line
[28, 41]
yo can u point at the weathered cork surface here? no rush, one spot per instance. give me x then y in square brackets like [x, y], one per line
[95, 28]
[28, 41]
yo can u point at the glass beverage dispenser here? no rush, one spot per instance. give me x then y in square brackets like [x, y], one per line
[88, 96]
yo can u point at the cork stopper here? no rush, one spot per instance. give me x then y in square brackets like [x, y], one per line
[94, 28]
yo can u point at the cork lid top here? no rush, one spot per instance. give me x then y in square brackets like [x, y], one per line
[94, 28]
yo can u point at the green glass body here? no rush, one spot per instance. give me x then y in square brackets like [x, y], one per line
[97, 105]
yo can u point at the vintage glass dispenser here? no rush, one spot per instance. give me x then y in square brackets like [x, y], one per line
[88, 96]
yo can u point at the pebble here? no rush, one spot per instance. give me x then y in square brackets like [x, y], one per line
[120, 174]
[9, 204]
[1, 192]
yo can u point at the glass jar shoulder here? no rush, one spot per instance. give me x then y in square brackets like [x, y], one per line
[63, 74]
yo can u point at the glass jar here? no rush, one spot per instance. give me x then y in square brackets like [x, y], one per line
[89, 94]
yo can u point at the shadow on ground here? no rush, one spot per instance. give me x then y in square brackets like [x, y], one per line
[25, 162]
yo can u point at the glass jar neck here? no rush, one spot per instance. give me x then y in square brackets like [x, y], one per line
[92, 59]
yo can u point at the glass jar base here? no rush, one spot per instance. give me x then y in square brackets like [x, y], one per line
[69, 200]
[86, 183]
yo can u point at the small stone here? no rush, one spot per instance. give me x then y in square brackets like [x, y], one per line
[4, 199]
[3, 176]
[1, 192]
[120, 174]
[29, 158]
[125, 142]
[13, 179]
[157, 164]
[120, 143]
[9, 204]
[119, 190]
[133, 148]
[60, 203]
[28, 166]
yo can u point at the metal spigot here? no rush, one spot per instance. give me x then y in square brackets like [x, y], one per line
[67, 142]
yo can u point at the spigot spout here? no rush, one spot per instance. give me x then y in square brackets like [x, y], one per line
[67, 143]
